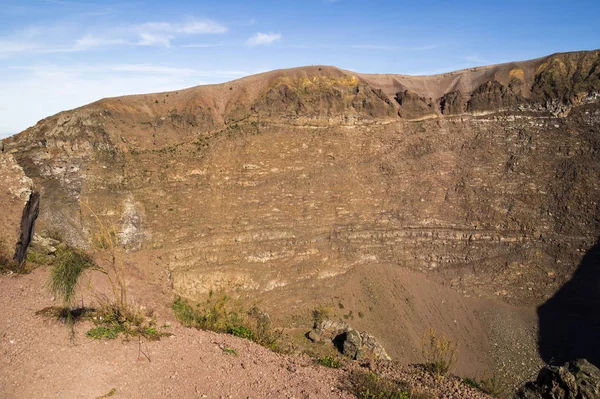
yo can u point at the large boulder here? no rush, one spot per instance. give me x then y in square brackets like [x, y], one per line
[351, 342]
[578, 379]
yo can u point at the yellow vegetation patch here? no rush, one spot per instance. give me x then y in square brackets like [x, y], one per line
[317, 82]
[517, 73]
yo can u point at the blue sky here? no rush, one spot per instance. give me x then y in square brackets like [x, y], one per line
[60, 54]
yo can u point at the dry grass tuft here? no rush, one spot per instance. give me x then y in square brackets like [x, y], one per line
[439, 352]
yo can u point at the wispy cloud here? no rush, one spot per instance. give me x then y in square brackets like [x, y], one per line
[475, 59]
[393, 47]
[201, 45]
[162, 33]
[263, 39]
[89, 41]
[364, 47]
[39, 40]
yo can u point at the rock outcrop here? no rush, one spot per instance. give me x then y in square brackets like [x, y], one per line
[412, 106]
[352, 343]
[19, 209]
[578, 379]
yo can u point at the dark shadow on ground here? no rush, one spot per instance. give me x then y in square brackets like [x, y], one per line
[569, 322]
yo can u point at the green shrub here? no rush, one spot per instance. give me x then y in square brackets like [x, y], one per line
[220, 314]
[104, 332]
[69, 265]
[112, 320]
[329, 361]
[242, 332]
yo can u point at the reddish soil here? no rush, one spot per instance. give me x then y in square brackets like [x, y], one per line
[38, 359]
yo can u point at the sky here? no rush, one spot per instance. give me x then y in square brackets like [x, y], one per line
[61, 54]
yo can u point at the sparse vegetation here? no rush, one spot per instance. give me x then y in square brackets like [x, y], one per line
[230, 351]
[221, 314]
[471, 382]
[37, 258]
[108, 394]
[8, 264]
[110, 321]
[368, 385]
[439, 352]
[493, 385]
[114, 315]
[329, 361]
[319, 314]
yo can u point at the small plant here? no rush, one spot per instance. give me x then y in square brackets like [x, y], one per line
[112, 320]
[368, 385]
[439, 352]
[37, 258]
[242, 332]
[319, 314]
[69, 265]
[108, 394]
[493, 386]
[10, 265]
[7, 265]
[230, 351]
[329, 361]
[471, 382]
[104, 332]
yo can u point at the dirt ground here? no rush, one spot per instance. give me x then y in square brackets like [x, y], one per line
[38, 359]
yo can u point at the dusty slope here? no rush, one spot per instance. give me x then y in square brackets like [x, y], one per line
[39, 360]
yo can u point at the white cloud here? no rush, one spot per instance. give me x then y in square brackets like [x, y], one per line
[153, 39]
[263, 39]
[201, 45]
[393, 47]
[89, 41]
[38, 40]
[162, 33]
[202, 27]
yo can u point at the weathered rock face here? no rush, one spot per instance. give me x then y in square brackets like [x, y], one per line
[352, 343]
[578, 379]
[412, 106]
[452, 103]
[19, 209]
[308, 173]
[492, 96]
